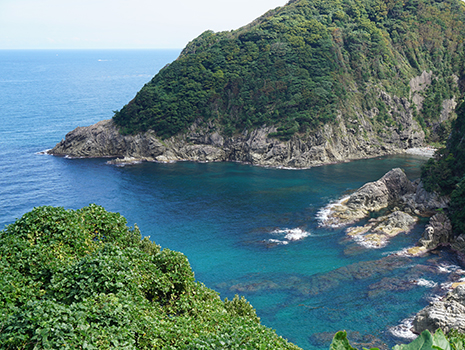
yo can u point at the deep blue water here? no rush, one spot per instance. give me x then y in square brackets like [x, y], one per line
[229, 219]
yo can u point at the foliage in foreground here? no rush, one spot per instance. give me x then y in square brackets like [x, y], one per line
[83, 280]
[425, 341]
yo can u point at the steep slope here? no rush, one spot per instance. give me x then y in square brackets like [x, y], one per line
[445, 174]
[330, 79]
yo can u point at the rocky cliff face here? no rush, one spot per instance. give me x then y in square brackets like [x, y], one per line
[207, 143]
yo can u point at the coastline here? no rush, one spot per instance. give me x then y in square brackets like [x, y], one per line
[426, 151]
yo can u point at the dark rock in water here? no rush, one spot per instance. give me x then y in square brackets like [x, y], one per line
[437, 231]
[389, 284]
[447, 314]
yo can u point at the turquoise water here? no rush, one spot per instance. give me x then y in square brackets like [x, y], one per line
[230, 219]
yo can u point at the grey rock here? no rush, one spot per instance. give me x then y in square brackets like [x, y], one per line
[373, 196]
[379, 194]
[438, 231]
[446, 314]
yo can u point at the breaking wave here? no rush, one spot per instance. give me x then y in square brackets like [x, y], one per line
[323, 214]
[404, 329]
[288, 235]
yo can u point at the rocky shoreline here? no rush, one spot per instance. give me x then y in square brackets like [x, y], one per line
[404, 201]
[206, 143]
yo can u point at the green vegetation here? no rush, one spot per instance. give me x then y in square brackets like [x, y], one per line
[298, 66]
[83, 280]
[445, 173]
[425, 341]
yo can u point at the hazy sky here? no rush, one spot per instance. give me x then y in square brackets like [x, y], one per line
[63, 24]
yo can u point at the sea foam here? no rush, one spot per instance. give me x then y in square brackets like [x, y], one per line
[404, 329]
[289, 235]
[323, 214]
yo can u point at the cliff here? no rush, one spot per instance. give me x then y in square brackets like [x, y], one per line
[440, 195]
[308, 83]
[333, 143]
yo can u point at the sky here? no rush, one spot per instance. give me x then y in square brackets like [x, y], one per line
[120, 24]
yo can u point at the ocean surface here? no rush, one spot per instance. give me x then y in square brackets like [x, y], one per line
[246, 230]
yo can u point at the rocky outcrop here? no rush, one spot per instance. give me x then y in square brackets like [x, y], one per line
[447, 314]
[104, 140]
[377, 232]
[419, 84]
[372, 196]
[208, 144]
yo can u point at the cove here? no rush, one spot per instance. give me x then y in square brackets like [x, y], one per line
[256, 232]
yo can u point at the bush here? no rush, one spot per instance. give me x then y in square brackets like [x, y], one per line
[81, 279]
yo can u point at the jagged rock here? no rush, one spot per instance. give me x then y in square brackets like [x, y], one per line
[377, 232]
[104, 140]
[372, 196]
[424, 203]
[447, 314]
[438, 231]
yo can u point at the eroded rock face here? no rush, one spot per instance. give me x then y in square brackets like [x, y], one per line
[104, 140]
[437, 231]
[447, 314]
[341, 141]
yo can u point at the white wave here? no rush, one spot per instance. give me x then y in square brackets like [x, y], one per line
[276, 241]
[433, 298]
[445, 268]
[323, 214]
[426, 283]
[45, 152]
[294, 234]
[361, 240]
[447, 285]
[404, 329]
[401, 252]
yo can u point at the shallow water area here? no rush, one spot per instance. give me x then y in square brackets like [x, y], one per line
[246, 230]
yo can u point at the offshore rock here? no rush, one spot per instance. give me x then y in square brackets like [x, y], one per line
[447, 314]
[377, 232]
[372, 196]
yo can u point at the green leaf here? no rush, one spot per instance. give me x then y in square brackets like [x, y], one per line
[440, 341]
[340, 342]
[423, 342]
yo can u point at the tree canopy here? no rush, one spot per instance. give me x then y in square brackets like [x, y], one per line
[298, 66]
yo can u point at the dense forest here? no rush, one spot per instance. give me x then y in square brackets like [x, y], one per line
[299, 66]
[445, 173]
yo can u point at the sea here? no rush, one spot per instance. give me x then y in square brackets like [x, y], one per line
[253, 231]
